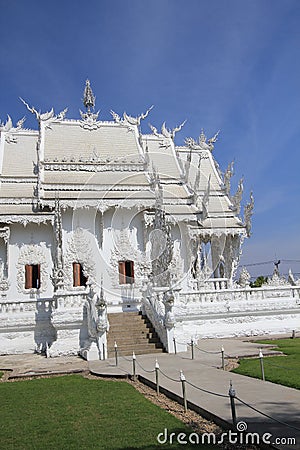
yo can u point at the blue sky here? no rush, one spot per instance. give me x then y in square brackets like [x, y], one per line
[232, 65]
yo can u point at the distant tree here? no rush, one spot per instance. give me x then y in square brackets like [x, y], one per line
[259, 281]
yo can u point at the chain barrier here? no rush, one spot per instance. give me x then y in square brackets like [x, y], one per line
[124, 357]
[215, 393]
[206, 351]
[266, 415]
[167, 376]
[205, 390]
[145, 370]
[196, 346]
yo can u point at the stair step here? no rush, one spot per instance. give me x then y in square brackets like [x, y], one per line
[133, 332]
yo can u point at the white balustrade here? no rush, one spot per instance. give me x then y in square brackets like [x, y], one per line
[264, 293]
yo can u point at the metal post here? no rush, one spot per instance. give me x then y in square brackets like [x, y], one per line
[232, 404]
[133, 366]
[156, 376]
[174, 342]
[293, 334]
[192, 347]
[116, 353]
[103, 351]
[261, 358]
[182, 379]
[223, 360]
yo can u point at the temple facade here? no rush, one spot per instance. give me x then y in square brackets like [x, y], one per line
[98, 218]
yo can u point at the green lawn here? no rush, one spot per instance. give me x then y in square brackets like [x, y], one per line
[72, 412]
[278, 369]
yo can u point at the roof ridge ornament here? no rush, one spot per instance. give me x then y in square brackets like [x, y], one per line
[248, 211]
[227, 177]
[88, 97]
[9, 129]
[170, 133]
[203, 143]
[166, 134]
[89, 118]
[48, 116]
[129, 120]
[237, 198]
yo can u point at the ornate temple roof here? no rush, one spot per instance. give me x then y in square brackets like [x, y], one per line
[102, 164]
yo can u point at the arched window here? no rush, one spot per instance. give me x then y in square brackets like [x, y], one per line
[126, 272]
[79, 279]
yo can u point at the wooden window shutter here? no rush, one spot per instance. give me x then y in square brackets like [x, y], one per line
[130, 272]
[83, 278]
[28, 276]
[132, 269]
[36, 274]
[76, 274]
[122, 272]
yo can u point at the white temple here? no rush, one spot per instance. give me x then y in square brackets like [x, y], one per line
[98, 218]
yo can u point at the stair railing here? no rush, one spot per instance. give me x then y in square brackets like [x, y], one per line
[157, 304]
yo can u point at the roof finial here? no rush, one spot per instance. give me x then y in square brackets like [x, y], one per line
[88, 97]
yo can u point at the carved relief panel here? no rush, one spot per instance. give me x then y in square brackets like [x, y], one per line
[32, 255]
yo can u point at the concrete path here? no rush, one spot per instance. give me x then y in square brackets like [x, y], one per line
[204, 371]
[33, 364]
[277, 401]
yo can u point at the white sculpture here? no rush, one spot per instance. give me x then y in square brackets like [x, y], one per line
[244, 279]
[248, 212]
[203, 143]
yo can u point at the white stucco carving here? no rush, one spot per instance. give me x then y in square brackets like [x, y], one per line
[32, 254]
[183, 236]
[79, 250]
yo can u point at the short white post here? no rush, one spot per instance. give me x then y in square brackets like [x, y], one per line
[192, 347]
[133, 366]
[156, 376]
[174, 343]
[261, 357]
[232, 403]
[116, 353]
[182, 379]
[223, 359]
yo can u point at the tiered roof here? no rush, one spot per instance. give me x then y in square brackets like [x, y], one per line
[103, 164]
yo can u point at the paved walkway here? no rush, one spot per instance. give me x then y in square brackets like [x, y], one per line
[204, 371]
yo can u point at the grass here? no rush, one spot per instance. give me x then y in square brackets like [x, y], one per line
[278, 369]
[72, 412]
[1, 374]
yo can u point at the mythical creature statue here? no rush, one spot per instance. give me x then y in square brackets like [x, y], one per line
[168, 300]
[97, 313]
[244, 279]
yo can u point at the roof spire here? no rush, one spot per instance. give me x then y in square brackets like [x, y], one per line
[88, 97]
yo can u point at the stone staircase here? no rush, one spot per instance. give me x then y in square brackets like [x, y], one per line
[132, 332]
